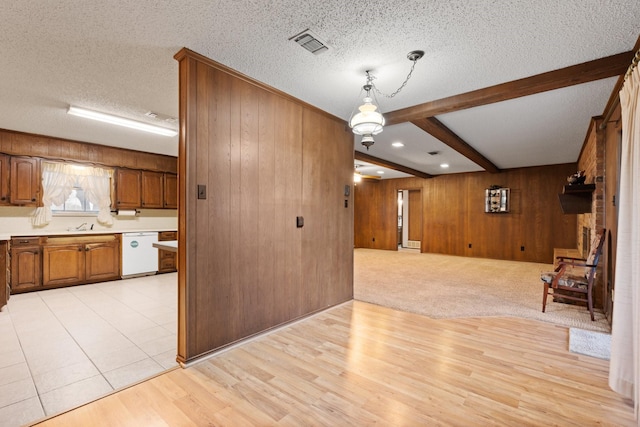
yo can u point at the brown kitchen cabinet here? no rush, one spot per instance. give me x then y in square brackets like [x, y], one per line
[82, 259]
[102, 261]
[152, 190]
[167, 260]
[4, 273]
[4, 179]
[170, 191]
[62, 264]
[26, 264]
[24, 181]
[128, 188]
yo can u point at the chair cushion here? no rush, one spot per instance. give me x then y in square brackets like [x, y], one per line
[568, 280]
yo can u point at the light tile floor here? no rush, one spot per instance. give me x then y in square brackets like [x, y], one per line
[63, 347]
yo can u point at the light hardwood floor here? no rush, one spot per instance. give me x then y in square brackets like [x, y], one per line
[360, 364]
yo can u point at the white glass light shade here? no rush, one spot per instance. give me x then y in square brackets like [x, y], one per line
[368, 121]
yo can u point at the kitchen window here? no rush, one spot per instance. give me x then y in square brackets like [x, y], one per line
[72, 188]
[76, 203]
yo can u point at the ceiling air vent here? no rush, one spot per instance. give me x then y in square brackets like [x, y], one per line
[310, 42]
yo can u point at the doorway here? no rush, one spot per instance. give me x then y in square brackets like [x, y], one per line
[409, 219]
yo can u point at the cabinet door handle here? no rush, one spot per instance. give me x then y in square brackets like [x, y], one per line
[86, 249]
[33, 200]
[79, 249]
[3, 198]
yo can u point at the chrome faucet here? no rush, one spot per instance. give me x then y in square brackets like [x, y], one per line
[79, 228]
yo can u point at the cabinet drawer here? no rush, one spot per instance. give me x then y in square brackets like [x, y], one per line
[25, 241]
[167, 264]
[167, 235]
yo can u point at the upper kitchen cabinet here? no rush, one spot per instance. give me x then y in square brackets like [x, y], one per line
[24, 181]
[128, 188]
[152, 190]
[145, 189]
[4, 179]
[170, 191]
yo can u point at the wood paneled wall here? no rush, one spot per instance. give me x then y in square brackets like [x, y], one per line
[265, 159]
[26, 144]
[454, 218]
[415, 215]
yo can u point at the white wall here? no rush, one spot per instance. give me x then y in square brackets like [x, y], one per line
[16, 221]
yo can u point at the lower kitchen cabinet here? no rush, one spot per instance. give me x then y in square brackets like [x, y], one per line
[26, 264]
[85, 259]
[167, 261]
[62, 264]
[102, 261]
[4, 273]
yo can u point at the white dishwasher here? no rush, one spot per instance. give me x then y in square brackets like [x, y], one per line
[139, 257]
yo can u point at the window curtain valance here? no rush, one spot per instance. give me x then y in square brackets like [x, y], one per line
[58, 180]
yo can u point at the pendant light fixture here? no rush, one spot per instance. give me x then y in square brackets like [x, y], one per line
[369, 121]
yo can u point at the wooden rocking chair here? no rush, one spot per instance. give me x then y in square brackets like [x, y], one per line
[574, 276]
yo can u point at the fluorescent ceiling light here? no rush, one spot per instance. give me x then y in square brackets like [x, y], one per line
[398, 144]
[121, 121]
[444, 165]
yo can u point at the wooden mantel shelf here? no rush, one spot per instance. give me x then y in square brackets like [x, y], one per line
[574, 189]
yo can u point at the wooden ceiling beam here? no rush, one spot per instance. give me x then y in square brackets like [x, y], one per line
[438, 130]
[602, 68]
[387, 164]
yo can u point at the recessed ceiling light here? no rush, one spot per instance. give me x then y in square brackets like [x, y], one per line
[444, 165]
[398, 144]
[380, 172]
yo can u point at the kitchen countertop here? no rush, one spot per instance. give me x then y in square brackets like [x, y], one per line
[7, 236]
[167, 245]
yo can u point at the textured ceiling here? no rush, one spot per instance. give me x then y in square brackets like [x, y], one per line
[117, 57]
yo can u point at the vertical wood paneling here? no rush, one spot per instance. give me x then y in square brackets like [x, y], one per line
[288, 205]
[187, 198]
[454, 217]
[415, 215]
[205, 119]
[265, 158]
[266, 195]
[249, 97]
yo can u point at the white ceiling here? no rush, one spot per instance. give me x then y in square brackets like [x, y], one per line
[117, 57]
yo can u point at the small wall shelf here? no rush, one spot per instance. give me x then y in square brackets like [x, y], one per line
[496, 199]
[576, 199]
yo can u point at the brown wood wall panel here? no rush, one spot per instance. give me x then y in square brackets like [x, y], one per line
[327, 237]
[265, 159]
[26, 144]
[415, 215]
[376, 228]
[454, 217]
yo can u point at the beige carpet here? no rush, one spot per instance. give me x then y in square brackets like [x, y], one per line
[443, 286]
